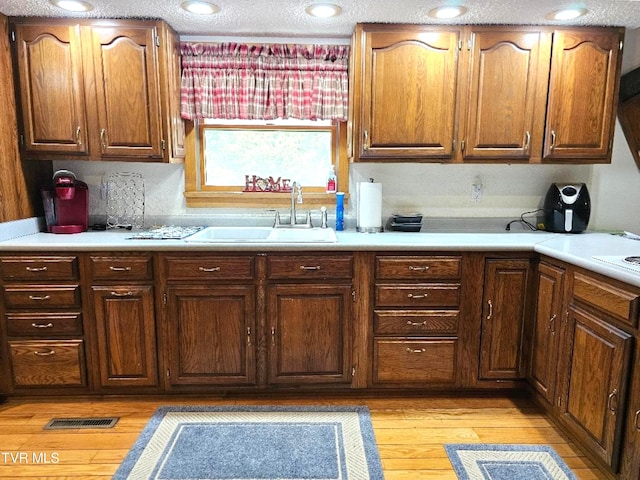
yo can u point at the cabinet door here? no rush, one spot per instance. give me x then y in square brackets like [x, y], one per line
[128, 98]
[593, 396]
[126, 334]
[409, 94]
[505, 299]
[51, 88]
[507, 94]
[583, 87]
[546, 331]
[630, 467]
[211, 335]
[309, 333]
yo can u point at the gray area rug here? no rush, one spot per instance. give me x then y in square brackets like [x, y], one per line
[257, 443]
[507, 462]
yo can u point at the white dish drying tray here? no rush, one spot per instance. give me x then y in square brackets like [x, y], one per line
[166, 232]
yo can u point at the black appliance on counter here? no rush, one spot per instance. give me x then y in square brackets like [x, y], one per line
[567, 208]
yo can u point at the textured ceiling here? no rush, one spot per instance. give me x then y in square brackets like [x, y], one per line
[287, 18]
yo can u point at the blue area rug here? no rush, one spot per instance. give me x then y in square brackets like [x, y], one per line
[507, 462]
[266, 443]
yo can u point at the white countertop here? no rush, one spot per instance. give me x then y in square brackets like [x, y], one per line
[575, 249]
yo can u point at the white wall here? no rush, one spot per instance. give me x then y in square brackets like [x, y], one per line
[438, 191]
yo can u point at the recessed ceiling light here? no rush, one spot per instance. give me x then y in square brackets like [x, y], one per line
[567, 14]
[448, 11]
[73, 5]
[201, 8]
[323, 10]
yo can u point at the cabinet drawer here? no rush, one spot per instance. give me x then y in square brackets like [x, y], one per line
[36, 296]
[310, 266]
[619, 302]
[39, 268]
[121, 268]
[418, 268]
[47, 363]
[418, 295]
[44, 324]
[415, 322]
[210, 267]
[414, 361]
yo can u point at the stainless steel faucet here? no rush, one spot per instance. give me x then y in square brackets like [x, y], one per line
[296, 197]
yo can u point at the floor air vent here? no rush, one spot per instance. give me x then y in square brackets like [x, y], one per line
[91, 422]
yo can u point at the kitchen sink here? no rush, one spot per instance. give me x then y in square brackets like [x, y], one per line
[263, 235]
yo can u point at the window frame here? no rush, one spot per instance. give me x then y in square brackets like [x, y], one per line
[199, 195]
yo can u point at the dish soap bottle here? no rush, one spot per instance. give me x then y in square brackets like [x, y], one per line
[332, 181]
[339, 211]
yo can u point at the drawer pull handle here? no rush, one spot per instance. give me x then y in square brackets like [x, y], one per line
[490, 303]
[636, 420]
[209, 269]
[552, 324]
[611, 405]
[119, 269]
[122, 294]
[310, 268]
[416, 350]
[36, 269]
[45, 354]
[416, 324]
[40, 298]
[418, 269]
[42, 325]
[417, 295]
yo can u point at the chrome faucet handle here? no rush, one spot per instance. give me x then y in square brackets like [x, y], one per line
[323, 217]
[299, 199]
[276, 220]
[307, 222]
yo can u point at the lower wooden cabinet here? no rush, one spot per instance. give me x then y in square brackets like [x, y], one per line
[211, 335]
[593, 388]
[506, 288]
[630, 466]
[545, 335]
[48, 363]
[414, 360]
[309, 334]
[126, 335]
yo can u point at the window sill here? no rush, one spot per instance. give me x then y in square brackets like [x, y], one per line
[258, 200]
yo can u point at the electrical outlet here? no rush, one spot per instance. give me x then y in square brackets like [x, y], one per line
[476, 191]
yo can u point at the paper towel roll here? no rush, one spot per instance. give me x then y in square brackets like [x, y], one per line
[369, 214]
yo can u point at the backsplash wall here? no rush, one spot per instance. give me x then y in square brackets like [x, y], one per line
[438, 191]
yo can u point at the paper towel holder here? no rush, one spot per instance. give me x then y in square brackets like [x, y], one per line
[369, 228]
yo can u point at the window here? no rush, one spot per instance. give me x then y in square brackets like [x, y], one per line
[252, 163]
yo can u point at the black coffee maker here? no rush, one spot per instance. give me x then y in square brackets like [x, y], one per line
[567, 208]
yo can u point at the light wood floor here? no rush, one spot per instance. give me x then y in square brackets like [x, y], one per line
[410, 433]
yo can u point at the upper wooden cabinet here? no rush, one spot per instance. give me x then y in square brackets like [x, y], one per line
[405, 91]
[506, 93]
[583, 91]
[98, 90]
[484, 93]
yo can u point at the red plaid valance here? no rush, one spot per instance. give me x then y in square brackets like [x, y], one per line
[264, 82]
